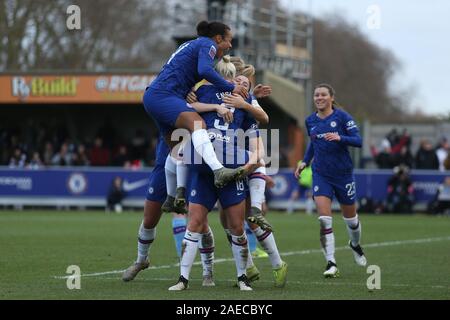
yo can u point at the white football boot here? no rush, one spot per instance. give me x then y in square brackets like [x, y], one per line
[331, 270]
[182, 284]
[358, 254]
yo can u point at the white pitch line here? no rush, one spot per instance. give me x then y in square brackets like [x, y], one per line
[302, 252]
[329, 283]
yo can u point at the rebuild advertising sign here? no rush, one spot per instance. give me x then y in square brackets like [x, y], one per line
[73, 88]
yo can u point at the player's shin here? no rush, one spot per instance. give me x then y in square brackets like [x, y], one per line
[240, 253]
[267, 241]
[206, 246]
[251, 238]
[145, 239]
[170, 169]
[182, 175]
[205, 149]
[188, 252]
[327, 237]
[353, 229]
[257, 186]
[179, 228]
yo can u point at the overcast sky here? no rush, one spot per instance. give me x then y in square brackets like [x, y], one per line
[416, 31]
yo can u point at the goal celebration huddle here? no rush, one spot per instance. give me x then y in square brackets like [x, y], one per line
[209, 97]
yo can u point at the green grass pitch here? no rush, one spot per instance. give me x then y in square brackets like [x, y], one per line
[36, 247]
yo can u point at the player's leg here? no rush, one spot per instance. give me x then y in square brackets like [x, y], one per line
[146, 236]
[201, 200]
[171, 184]
[251, 271]
[192, 237]
[202, 144]
[156, 193]
[173, 112]
[182, 176]
[323, 194]
[232, 198]
[179, 223]
[323, 204]
[351, 219]
[257, 186]
[268, 243]
[345, 191]
[206, 247]
[239, 245]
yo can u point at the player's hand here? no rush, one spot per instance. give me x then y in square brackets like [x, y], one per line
[225, 113]
[299, 169]
[241, 90]
[191, 97]
[332, 136]
[234, 100]
[262, 91]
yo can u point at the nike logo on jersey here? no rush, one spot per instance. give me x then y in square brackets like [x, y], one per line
[130, 186]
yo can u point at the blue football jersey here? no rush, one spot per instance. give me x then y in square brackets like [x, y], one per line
[190, 63]
[331, 158]
[226, 140]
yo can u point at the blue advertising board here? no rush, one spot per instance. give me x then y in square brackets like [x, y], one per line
[91, 183]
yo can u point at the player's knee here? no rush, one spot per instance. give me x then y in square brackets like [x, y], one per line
[196, 224]
[236, 228]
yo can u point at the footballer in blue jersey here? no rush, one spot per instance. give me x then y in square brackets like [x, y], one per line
[164, 100]
[203, 194]
[332, 131]
[225, 138]
[156, 194]
[157, 182]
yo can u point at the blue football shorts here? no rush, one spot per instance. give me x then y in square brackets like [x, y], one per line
[165, 108]
[156, 190]
[203, 191]
[343, 187]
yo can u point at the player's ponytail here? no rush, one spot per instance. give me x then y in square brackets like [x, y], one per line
[238, 63]
[248, 70]
[226, 68]
[202, 28]
[211, 29]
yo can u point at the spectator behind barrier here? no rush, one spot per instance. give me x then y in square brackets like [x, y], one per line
[115, 196]
[400, 191]
[426, 157]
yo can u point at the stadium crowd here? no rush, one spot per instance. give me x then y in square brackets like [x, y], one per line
[39, 146]
[395, 150]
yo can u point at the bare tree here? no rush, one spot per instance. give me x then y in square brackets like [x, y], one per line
[360, 71]
[114, 34]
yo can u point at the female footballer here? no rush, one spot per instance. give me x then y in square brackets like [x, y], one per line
[332, 131]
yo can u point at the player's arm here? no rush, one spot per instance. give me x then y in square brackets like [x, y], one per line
[353, 140]
[256, 146]
[309, 154]
[226, 113]
[302, 164]
[254, 156]
[205, 68]
[255, 110]
[352, 136]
